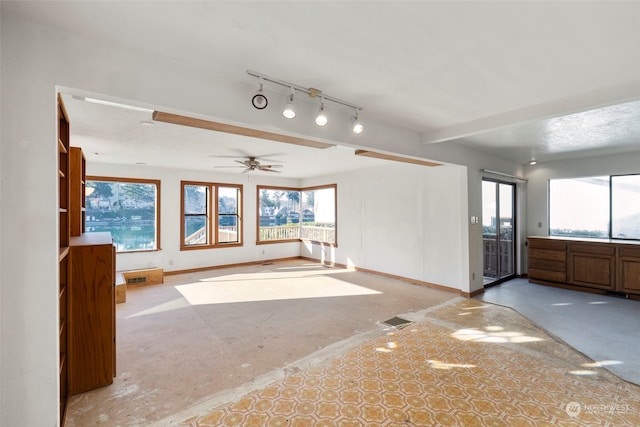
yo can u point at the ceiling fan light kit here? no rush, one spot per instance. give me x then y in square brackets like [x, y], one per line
[289, 111]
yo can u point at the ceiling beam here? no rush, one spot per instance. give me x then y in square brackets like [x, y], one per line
[612, 95]
[177, 119]
[376, 155]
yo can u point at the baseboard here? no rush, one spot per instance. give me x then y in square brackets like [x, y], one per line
[473, 293]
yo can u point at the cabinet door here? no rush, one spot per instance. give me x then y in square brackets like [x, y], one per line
[592, 265]
[629, 270]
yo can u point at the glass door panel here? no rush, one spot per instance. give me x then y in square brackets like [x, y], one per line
[498, 208]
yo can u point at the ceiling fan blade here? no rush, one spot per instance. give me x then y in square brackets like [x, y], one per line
[219, 167]
[247, 170]
[271, 166]
[267, 169]
[242, 162]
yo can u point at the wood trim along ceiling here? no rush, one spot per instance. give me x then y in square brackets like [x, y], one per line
[177, 119]
[367, 153]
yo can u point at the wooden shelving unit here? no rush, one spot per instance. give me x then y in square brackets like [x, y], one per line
[77, 177]
[63, 254]
[86, 293]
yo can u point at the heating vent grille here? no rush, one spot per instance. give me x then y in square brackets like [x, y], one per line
[141, 279]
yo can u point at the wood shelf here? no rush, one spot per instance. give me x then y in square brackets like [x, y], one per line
[64, 251]
[61, 147]
[61, 174]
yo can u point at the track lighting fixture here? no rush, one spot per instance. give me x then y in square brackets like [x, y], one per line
[358, 127]
[259, 101]
[321, 118]
[290, 110]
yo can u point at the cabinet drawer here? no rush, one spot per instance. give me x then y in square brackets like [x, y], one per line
[630, 252]
[548, 254]
[591, 248]
[552, 276]
[545, 264]
[547, 244]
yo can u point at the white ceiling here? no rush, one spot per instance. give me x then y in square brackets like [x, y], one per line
[520, 80]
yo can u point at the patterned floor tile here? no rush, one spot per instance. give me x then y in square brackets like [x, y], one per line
[425, 375]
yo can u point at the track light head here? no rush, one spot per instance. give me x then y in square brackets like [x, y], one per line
[259, 101]
[358, 127]
[321, 118]
[289, 110]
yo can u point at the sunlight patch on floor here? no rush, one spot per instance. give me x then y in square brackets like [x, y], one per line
[275, 287]
[493, 334]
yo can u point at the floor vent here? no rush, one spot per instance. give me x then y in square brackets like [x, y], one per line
[398, 322]
[141, 279]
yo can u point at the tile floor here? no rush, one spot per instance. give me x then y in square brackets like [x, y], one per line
[467, 364]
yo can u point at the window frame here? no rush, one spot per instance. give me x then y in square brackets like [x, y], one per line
[156, 182]
[301, 190]
[609, 210]
[212, 215]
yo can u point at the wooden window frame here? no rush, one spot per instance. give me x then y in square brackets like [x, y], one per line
[155, 182]
[259, 188]
[212, 216]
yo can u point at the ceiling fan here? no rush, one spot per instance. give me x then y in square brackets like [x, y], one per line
[252, 164]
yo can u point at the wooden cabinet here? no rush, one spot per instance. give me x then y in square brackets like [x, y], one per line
[598, 265]
[77, 177]
[63, 253]
[92, 312]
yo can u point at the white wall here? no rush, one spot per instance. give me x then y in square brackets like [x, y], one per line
[35, 60]
[170, 257]
[540, 174]
[402, 219]
[454, 152]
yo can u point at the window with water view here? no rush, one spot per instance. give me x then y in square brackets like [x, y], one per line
[125, 207]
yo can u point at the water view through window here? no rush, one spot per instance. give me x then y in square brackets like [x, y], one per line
[125, 208]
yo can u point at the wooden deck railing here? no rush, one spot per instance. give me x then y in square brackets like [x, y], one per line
[225, 234]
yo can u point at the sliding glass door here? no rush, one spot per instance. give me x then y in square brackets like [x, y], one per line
[498, 226]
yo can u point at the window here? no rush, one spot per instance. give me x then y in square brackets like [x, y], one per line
[579, 207]
[128, 208]
[211, 215]
[598, 207]
[625, 206]
[319, 214]
[287, 214]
